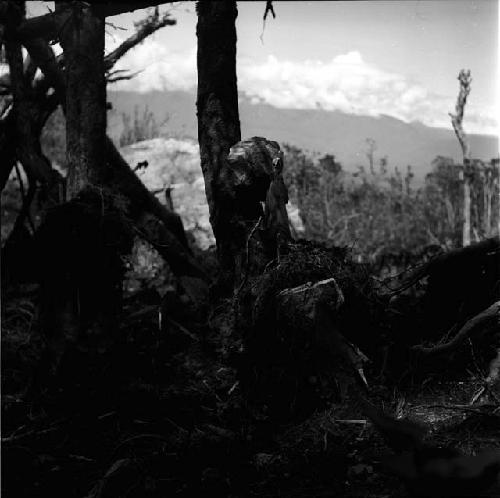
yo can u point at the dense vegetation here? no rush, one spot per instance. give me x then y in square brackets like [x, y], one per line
[385, 210]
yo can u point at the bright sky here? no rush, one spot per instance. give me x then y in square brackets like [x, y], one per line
[399, 57]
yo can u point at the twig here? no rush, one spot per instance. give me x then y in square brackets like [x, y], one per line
[466, 408]
[247, 254]
[183, 329]
[113, 77]
[146, 27]
[16, 437]
[269, 9]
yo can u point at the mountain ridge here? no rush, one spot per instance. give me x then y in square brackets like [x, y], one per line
[315, 130]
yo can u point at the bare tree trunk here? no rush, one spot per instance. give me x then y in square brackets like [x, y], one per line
[466, 228]
[218, 118]
[498, 198]
[456, 119]
[82, 38]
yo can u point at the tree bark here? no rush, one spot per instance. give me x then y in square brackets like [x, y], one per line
[218, 118]
[27, 144]
[82, 38]
[81, 287]
[456, 120]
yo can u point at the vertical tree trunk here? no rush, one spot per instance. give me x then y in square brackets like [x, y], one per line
[80, 242]
[466, 227]
[82, 38]
[498, 196]
[218, 118]
[456, 120]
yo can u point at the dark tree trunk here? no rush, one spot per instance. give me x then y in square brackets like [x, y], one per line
[82, 38]
[218, 118]
[26, 139]
[79, 241]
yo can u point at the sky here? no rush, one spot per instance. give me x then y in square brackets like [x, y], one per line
[399, 57]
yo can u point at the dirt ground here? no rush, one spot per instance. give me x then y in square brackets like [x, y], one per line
[165, 416]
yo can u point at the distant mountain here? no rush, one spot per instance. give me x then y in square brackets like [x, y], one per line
[318, 130]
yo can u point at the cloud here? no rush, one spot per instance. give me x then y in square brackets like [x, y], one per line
[346, 83]
[159, 68]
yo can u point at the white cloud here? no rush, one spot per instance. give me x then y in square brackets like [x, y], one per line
[159, 68]
[349, 84]
[346, 83]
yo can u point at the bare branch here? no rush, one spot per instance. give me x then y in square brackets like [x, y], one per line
[113, 77]
[48, 26]
[465, 80]
[41, 51]
[29, 69]
[486, 320]
[146, 27]
[117, 8]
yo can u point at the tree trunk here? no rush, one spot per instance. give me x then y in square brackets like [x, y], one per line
[82, 38]
[80, 242]
[456, 120]
[466, 228]
[218, 118]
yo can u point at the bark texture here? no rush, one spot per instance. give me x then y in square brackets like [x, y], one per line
[82, 38]
[218, 118]
[456, 120]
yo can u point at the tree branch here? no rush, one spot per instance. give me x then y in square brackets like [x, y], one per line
[148, 26]
[47, 26]
[487, 319]
[42, 51]
[115, 76]
[116, 8]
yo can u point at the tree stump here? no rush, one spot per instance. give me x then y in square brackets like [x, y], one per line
[295, 340]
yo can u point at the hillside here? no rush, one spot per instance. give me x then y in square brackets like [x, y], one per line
[317, 130]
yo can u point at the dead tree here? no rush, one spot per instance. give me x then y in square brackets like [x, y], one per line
[153, 220]
[80, 243]
[456, 120]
